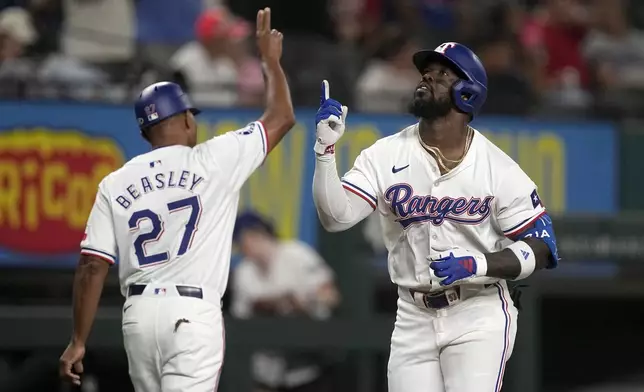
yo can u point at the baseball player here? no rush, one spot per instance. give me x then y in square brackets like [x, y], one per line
[168, 217]
[459, 218]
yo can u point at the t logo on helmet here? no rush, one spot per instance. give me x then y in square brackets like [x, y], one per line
[443, 47]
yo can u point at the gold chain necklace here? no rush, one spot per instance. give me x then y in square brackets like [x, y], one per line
[440, 158]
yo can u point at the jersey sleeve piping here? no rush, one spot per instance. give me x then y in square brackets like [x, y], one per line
[264, 137]
[511, 232]
[373, 202]
[100, 254]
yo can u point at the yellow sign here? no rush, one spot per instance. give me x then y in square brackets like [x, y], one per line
[276, 189]
[48, 183]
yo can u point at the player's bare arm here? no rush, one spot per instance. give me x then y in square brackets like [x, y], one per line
[506, 265]
[534, 248]
[88, 286]
[279, 117]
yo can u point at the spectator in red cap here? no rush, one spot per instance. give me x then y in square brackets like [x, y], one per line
[552, 39]
[218, 69]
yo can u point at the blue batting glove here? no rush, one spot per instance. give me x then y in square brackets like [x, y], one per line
[453, 268]
[328, 107]
[329, 122]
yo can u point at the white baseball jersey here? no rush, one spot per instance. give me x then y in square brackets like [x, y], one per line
[295, 269]
[478, 205]
[168, 215]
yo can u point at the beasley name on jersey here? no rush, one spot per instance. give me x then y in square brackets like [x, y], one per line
[182, 179]
[168, 215]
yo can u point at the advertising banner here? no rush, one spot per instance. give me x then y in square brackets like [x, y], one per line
[53, 155]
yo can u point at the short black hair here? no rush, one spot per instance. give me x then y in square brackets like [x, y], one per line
[250, 220]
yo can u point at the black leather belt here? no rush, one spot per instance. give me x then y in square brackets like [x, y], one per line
[440, 299]
[184, 291]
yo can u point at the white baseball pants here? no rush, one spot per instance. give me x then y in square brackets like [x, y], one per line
[173, 343]
[461, 348]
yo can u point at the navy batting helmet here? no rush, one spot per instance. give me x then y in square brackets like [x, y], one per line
[159, 101]
[470, 92]
[251, 220]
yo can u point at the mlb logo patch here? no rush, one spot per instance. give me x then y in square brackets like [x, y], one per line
[536, 201]
[155, 163]
[159, 291]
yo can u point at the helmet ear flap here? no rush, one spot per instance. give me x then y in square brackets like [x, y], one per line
[468, 96]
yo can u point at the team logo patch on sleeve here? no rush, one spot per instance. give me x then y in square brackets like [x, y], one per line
[536, 201]
[248, 130]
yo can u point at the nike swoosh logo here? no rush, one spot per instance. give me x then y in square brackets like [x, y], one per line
[126, 308]
[396, 170]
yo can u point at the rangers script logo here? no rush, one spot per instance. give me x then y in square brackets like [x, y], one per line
[412, 208]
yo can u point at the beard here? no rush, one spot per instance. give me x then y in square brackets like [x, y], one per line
[429, 108]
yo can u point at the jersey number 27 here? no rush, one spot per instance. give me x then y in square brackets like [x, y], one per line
[193, 203]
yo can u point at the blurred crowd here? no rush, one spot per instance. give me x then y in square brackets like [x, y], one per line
[282, 278]
[553, 57]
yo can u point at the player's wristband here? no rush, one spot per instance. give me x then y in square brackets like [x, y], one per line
[321, 149]
[481, 265]
[525, 255]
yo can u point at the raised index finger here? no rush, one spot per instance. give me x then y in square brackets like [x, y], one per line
[260, 21]
[267, 19]
[324, 91]
[264, 21]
